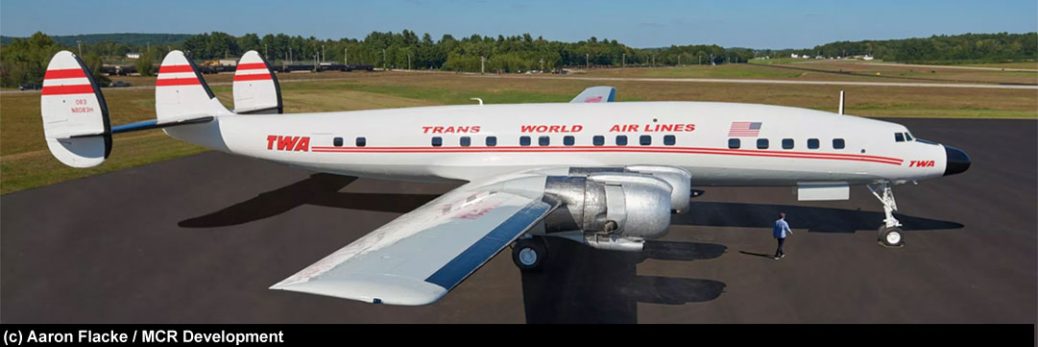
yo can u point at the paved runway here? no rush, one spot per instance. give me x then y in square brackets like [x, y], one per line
[199, 239]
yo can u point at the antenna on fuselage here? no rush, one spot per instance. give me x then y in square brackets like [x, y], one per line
[477, 99]
[840, 111]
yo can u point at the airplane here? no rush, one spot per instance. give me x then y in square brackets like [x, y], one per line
[606, 174]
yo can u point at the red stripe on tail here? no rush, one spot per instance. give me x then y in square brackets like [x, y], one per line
[64, 73]
[251, 66]
[68, 89]
[176, 82]
[255, 77]
[175, 68]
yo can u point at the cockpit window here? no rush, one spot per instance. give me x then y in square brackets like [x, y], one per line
[908, 137]
[899, 137]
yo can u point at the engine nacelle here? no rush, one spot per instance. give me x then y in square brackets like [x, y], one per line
[679, 180]
[627, 204]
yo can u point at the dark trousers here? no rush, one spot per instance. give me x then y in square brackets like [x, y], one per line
[779, 252]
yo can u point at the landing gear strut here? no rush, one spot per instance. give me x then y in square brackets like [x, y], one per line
[890, 231]
[529, 253]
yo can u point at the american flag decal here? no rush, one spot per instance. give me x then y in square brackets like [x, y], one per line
[744, 129]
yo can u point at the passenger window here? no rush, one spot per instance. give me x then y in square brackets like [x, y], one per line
[361, 141]
[491, 141]
[544, 141]
[568, 140]
[669, 140]
[337, 142]
[621, 140]
[645, 140]
[812, 144]
[524, 141]
[899, 137]
[734, 143]
[762, 143]
[437, 141]
[466, 141]
[598, 140]
[787, 143]
[839, 144]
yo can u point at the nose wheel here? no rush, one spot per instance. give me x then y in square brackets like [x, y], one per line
[890, 233]
[890, 237]
[528, 254]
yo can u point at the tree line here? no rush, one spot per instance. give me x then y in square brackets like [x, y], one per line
[965, 48]
[24, 60]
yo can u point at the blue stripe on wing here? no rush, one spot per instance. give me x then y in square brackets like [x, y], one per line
[480, 252]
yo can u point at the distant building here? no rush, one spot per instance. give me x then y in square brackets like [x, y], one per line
[794, 56]
[133, 55]
[867, 57]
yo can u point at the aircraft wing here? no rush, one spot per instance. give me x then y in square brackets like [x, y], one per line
[595, 95]
[420, 256]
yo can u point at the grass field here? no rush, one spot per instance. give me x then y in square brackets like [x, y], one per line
[830, 70]
[25, 162]
[1033, 65]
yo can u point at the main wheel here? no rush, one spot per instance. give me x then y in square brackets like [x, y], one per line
[529, 254]
[891, 237]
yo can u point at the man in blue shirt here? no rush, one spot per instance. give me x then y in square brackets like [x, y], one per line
[780, 231]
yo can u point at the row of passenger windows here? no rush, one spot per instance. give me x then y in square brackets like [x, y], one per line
[569, 140]
[787, 143]
[599, 140]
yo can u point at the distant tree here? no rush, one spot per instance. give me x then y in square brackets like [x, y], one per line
[144, 64]
[94, 63]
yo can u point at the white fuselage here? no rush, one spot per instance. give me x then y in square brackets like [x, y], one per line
[398, 143]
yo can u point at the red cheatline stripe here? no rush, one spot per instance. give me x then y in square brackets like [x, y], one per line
[64, 73]
[175, 68]
[587, 149]
[251, 66]
[255, 77]
[69, 89]
[176, 82]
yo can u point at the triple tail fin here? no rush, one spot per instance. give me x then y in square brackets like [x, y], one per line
[256, 88]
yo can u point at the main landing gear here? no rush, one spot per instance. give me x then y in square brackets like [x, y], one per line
[529, 253]
[890, 231]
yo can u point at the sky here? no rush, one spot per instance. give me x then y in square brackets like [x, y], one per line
[641, 24]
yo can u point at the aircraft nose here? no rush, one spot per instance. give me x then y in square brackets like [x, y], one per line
[958, 161]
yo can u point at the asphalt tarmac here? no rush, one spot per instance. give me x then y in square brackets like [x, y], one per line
[199, 239]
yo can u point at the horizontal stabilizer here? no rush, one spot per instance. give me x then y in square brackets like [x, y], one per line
[155, 124]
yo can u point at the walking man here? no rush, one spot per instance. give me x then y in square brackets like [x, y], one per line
[780, 231]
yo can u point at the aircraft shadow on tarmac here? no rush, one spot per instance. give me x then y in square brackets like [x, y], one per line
[814, 219]
[579, 284]
[323, 190]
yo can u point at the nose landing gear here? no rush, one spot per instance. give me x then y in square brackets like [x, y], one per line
[890, 231]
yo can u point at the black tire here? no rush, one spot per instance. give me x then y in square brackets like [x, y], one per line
[891, 237]
[529, 254]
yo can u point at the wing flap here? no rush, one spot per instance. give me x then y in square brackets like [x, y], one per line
[420, 256]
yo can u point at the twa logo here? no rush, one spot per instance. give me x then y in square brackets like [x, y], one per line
[288, 143]
[922, 163]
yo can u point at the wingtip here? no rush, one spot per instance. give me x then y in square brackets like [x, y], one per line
[381, 290]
